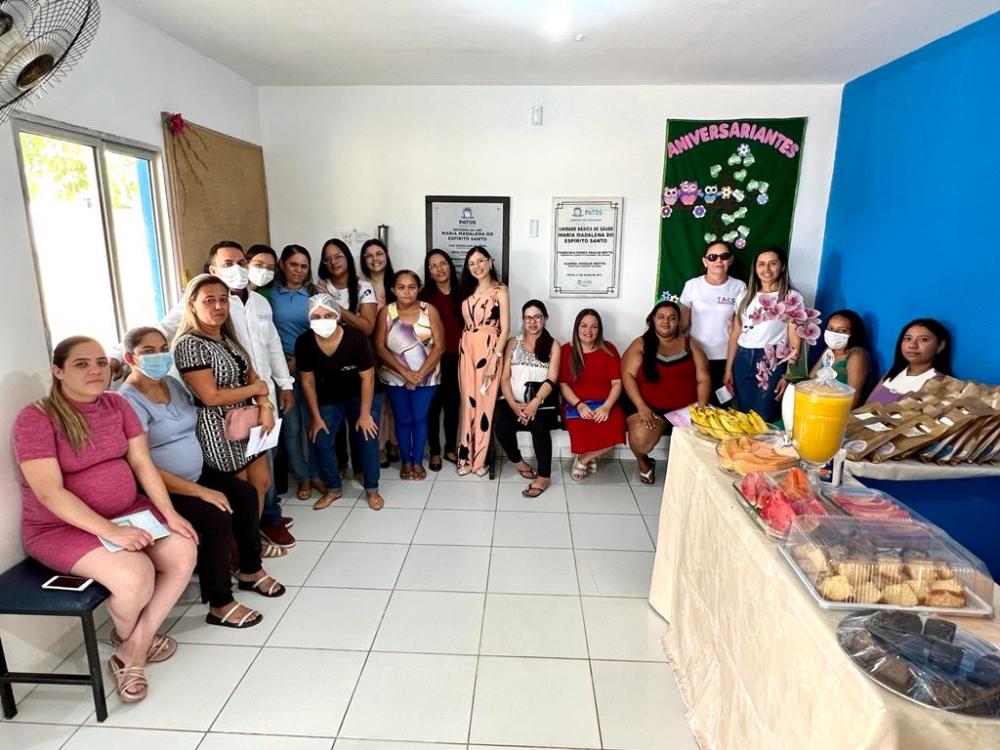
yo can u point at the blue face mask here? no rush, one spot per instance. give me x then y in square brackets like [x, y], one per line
[157, 365]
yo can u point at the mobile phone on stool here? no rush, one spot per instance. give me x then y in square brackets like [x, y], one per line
[67, 583]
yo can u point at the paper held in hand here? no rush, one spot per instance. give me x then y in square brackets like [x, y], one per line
[258, 443]
[142, 520]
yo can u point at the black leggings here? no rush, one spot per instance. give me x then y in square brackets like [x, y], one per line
[216, 529]
[506, 427]
[445, 401]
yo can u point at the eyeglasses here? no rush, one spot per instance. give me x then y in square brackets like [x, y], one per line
[533, 318]
[333, 259]
[712, 257]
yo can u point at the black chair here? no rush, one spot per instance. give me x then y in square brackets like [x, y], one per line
[21, 593]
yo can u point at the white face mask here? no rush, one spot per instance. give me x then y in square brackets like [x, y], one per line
[235, 277]
[835, 340]
[260, 276]
[324, 327]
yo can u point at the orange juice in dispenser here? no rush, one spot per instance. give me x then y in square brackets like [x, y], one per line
[822, 408]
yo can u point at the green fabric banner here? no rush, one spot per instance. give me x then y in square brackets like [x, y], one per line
[733, 180]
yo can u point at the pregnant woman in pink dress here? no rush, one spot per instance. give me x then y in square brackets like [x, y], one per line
[80, 451]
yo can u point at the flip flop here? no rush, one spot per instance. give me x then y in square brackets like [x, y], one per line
[528, 473]
[376, 502]
[532, 491]
[247, 621]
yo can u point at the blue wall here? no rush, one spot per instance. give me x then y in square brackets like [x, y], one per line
[913, 226]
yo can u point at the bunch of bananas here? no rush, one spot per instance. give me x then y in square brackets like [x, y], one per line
[723, 424]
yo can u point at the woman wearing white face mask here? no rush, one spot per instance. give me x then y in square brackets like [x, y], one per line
[847, 338]
[337, 369]
[262, 262]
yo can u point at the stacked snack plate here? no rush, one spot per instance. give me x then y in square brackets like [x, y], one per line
[850, 563]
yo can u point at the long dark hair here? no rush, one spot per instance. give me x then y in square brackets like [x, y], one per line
[753, 284]
[576, 358]
[352, 272]
[942, 360]
[388, 275]
[287, 252]
[467, 285]
[543, 346]
[859, 332]
[431, 286]
[651, 342]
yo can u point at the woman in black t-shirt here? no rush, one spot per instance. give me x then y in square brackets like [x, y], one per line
[337, 369]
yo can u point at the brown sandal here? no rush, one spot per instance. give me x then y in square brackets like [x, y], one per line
[328, 499]
[161, 649]
[419, 472]
[406, 471]
[528, 473]
[532, 491]
[376, 501]
[131, 683]
[305, 491]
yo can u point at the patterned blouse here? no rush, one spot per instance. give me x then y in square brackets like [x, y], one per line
[411, 343]
[228, 363]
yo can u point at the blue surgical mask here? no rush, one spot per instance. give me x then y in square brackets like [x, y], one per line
[156, 366]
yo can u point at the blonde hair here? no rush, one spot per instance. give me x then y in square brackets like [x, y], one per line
[69, 420]
[189, 321]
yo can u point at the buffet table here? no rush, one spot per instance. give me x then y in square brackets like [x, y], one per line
[757, 661]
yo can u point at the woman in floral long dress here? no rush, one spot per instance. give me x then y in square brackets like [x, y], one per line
[485, 305]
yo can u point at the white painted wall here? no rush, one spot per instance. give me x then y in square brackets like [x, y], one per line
[131, 73]
[357, 156]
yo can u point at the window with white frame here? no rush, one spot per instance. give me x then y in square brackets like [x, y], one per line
[94, 207]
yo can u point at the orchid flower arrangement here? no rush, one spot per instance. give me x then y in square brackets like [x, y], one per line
[791, 309]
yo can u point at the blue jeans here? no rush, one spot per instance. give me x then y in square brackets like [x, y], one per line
[326, 456]
[749, 395]
[294, 428]
[410, 409]
[271, 514]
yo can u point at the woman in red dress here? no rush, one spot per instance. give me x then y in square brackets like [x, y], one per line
[590, 381]
[661, 371]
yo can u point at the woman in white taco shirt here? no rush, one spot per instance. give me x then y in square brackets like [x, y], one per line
[707, 303]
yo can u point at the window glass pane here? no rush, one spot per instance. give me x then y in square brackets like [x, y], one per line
[65, 212]
[131, 201]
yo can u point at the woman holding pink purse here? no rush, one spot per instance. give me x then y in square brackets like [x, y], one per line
[230, 397]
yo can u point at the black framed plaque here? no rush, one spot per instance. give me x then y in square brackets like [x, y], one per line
[456, 223]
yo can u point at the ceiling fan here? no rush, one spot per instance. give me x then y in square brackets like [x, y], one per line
[40, 41]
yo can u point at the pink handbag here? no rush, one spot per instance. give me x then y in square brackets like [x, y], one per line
[239, 422]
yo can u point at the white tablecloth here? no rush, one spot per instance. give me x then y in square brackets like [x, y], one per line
[756, 659]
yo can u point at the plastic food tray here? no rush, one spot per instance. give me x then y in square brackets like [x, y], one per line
[775, 439]
[755, 513]
[961, 685]
[844, 562]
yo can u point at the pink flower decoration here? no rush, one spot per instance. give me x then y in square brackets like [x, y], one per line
[740, 243]
[798, 315]
[783, 350]
[794, 299]
[810, 332]
[666, 211]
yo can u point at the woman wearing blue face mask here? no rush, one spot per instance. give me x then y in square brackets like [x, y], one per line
[847, 338]
[218, 505]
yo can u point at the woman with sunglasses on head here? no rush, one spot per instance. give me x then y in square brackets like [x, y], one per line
[221, 507]
[407, 341]
[376, 267]
[923, 352]
[846, 337]
[529, 388]
[751, 336]
[590, 381]
[661, 371]
[293, 286]
[707, 303]
[441, 290]
[80, 451]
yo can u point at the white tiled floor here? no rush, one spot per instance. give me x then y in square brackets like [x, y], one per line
[460, 617]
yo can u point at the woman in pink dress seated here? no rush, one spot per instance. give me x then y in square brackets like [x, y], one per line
[80, 451]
